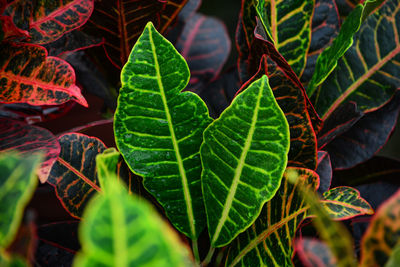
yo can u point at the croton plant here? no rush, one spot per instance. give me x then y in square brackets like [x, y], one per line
[270, 162]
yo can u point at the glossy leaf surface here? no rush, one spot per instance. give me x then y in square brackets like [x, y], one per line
[244, 155]
[28, 75]
[119, 230]
[382, 234]
[17, 184]
[345, 202]
[268, 242]
[121, 22]
[367, 73]
[314, 253]
[52, 19]
[74, 175]
[159, 130]
[205, 44]
[28, 139]
[289, 25]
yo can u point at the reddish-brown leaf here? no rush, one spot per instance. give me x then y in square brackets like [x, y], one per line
[28, 75]
[10, 30]
[16, 135]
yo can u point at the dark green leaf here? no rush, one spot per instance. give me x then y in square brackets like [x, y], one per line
[244, 155]
[159, 130]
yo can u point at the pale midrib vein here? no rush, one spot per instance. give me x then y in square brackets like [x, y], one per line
[238, 172]
[174, 141]
[119, 232]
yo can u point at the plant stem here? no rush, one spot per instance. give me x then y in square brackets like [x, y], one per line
[208, 258]
[195, 249]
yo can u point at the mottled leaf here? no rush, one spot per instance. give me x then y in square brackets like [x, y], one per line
[367, 73]
[345, 202]
[346, 6]
[244, 155]
[394, 259]
[314, 253]
[28, 139]
[74, 175]
[17, 184]
[324, 171]
[366, 137]
[289, 25]
[106, 164]
[383, 233]
[121, 22]
[205, 44]
[303, 150]
[20, 11]
[9, 30]
[268, 242]
[119, 230]
[72, 42]
[325, 27]
[28, 75]
[159, 130]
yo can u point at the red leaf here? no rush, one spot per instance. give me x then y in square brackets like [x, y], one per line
[15, 135]
[28, 75]
[9, 28]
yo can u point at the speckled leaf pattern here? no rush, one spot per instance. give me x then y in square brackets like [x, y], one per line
[52, 18]
[29, 139]
[268, 242]
[345, 202]
[159, 130]
[368, 72]
[74, 175]
[382, 234]
[314, 253]
[28, 75]
[17, 184]
[120, 230]
[288, 23]
[244, 155]
[120, 23]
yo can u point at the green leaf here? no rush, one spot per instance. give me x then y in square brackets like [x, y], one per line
[394, 260]
[269, 240]
[17, 184]
[12, 261]
[367, 73]
[345, 202]
[106, 164]
[288, 24]
[383, 233]
[332, 232]
[159, 129]
[120, 230]
[244, 155]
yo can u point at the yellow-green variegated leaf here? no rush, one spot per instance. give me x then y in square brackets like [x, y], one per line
[288, 24]
[244, 155]
[120, 230]
[268, 242]
[159, 129]
[106, 164]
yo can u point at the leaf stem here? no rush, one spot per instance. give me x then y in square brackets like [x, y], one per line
[195, 249]
[208, 258]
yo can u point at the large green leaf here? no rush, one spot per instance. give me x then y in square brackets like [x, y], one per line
[17, 184]
[119, 230]
[383, 233]
[159, 130]
[368, 72]
[344, 203]
[269, 241]
[288, 23]
[244, 155]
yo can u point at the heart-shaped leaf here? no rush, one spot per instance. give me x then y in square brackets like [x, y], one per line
[367, 73]
[159, 130]
[345, 202]
[313, 252]
[268, 242]
[74, 175]
[17, 184]
[205, 44]
[119, 230]
[289, 25]
[121, 22]
[244, 155]
[28, 75]
[383, 233]
[28, 139]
